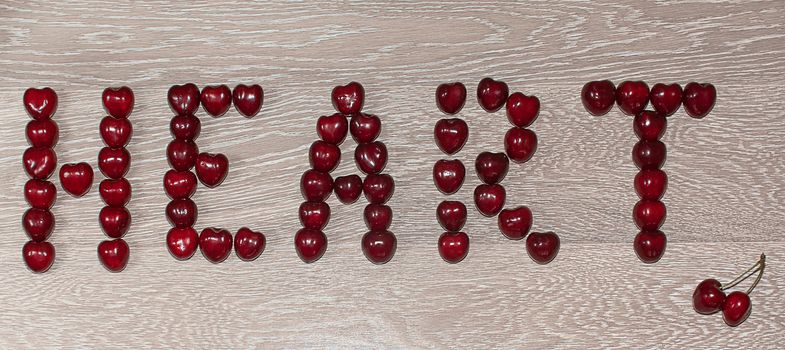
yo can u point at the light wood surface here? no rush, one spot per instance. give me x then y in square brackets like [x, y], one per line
[725, 200]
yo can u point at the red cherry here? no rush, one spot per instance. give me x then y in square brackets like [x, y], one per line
[371, 158]
[38, 223]
[333, 128]
[316, 186]
[248, 100]
[378, 217]
[651, 184]
[310, 244]
[40, 194]
[76, 179]
[699, 99]
[665, 99]
[520, 144]
[216, 100]
[453, 246]
[314, 215]
[183, 99]
[40, 103]
[491, 167]
[632, 97]
[515, 223]
[598, 97]
[182, 242]
[39, 162]
[648, 214]
[42, 133]
[450, 97]
[185, 127]
[181, 212]
[708, 297]
[349, 98]
[324, 156]
[736, 308]
[451, 215]
[179, 184]
[450, 135]
[379, 246]
[365, 128]
[113, 254]
[522, 110]
[115, 193]
[489, 199]
[211, 169]
[114, 162]
[448, 175]
[38, 256]
[492, 94]
[248, 244]
[115, 221]
[650, 245]
[348, 188]
[378, 188]
[649, 154]
[118, 101]
[181, 154]
[215, 244]
[115, 132]
[542, 246]
[649, 126]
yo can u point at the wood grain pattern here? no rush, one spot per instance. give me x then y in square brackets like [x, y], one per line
[725, 200]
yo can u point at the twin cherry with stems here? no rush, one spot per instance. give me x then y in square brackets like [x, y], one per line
[709, 296]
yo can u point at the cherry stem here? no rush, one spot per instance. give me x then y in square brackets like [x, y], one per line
[760, 274]
[746, 274]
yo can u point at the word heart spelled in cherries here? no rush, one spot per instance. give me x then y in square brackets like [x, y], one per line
[709, 296]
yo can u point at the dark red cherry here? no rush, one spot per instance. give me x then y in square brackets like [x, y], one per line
[248, 99]
[542, 246]
[179, 184]
[40, 194]
[114, 162]
[324, 156]
[649, 126]
[491, 167]
[39, 163]
[522, 110]
[349, 98]
[448, 175]
[453, 246]
[665, 99]
[182, 242]
[451, 215]
[40, 103]
[379, 246]
[650, 245]
[371, 158]
[185, 127]
[515, 223]
[450, 97]
[651, 184]
[520, 144]
[489, 199]
[115, 193]
[708, 297]
[598, 97]
[42, 133]
[332, 129]
[649, 214]
[365, 128]
[181, 212]
[114, 221]
[114, 254]
[736, 308]
[211, 169]
[215, 244]
[378, 188]
[699, 99]
[316, 186]
[38, 256]
[118, 101]
[310, 244]
[115, 132]
[76, 179]
[348, 188]
[649, 154]
[38, 223]
[249, 244]
[181, 154]
[450, 135]
[632, 97]
[183, 99]
[492, 94]
[216, 100]
[314, 215]
[378, 217]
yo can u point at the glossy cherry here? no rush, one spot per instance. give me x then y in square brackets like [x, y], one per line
[450, 134]
[113, 254]
[492, 94]
[39, 162]
[333, 128]
[38, 223]
[179, 184]
[378, 217]
[38, 256]
[115, 132]
[42, 133]
[650, 245]
[489, 199]
[183, 99]
[211, 169]
[40, 194]
[598, 97]
[314, 215]
[310, 244]
[185, 127]
[699, 99]
[349, 98]
[249, 244]
[649, 126]
[181, 154]
[378, 188]
[324, 156]
[348, 188]
[491, 167]
[215, 244]
[118, 101]
[371, 158]
[451, 215]
[114, 221]
[651, 184]
[216, 99]
[365, 128]
[453, 246]
[708, 297]
[736, 308]
[316, 186]
[181, 212]
[40, 103]
[76, 179]
[665, 99]
[114, 162]
[522, 110]
[520, 144]
[649, 154]
[248, 99]
[379, 246]
[649, 214]
[450, 97]
[448, 175]
[542, 246]
[182, 242]
[515, 223]
[632, 97]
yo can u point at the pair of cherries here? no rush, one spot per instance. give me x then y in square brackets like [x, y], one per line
[247, 99]
[709, 296]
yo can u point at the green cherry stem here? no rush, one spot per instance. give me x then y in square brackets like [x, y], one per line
[760, 274]
[745, 274]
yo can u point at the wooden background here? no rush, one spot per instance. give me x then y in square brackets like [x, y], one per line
[725, 201]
